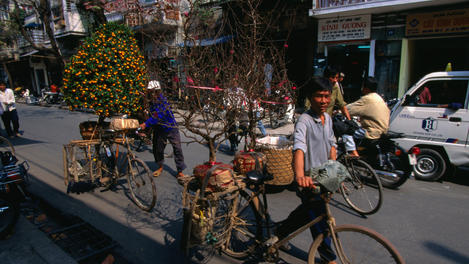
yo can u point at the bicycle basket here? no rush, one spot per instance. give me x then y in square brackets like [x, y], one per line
[279, 158]
[91, 129]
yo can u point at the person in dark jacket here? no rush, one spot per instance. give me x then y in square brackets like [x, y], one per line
[165, 128]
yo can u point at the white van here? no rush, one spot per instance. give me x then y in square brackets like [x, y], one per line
[433, 115]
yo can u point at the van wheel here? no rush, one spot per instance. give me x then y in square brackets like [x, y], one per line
[431, 166]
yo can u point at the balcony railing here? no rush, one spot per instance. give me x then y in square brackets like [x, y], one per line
[339, 3]
[37, 36]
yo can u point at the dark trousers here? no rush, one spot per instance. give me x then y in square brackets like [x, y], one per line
[160, 137]
[311, 207]
[9, 117]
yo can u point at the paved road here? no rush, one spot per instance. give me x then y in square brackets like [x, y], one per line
[426, 221]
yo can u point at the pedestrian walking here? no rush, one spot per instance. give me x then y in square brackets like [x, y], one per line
[313, 146]
[165, 128]
[9, 116]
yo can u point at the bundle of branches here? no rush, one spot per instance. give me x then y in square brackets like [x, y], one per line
[229, 61]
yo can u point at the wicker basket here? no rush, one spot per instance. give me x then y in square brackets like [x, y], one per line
[279, 164]
[90, 130]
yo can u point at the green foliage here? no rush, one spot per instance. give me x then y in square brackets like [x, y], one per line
[107, 74]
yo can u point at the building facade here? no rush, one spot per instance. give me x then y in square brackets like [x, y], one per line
[395, 41]
[34, 69]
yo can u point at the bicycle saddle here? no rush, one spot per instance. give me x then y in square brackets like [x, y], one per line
[391, 135]
[258, 177]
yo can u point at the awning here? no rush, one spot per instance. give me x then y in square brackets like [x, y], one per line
[33, 25]
[205, 42]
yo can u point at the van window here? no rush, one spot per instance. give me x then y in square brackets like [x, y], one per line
[440, 93]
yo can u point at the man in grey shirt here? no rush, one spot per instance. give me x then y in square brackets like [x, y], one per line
[314, 139]
[314, 145]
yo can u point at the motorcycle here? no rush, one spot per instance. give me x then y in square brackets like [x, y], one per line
[13, 181]
[391, 162]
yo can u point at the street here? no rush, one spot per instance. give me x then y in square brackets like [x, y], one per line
[426, 221]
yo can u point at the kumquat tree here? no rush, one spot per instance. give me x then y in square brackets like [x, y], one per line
[108, 73]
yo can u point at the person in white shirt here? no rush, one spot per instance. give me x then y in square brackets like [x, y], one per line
[9, 116]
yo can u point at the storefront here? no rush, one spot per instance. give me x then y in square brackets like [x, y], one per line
[345, 45]
[387, 32]
[434, 39]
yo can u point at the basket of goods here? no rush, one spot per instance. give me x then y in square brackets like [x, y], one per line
[279, 158]
[220, 176]
[245, 162]
[91, 129]
[120, 124]
[206, 199]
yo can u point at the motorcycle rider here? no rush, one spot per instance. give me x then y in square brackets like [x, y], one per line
[337, 101]
[372, 110]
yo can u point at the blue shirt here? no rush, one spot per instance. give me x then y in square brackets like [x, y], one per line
[314, 139]
[161, 115]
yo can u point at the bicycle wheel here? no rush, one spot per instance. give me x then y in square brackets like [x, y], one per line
[9, 213]
[357, 245]
[363, 191]
[244, 228]
[141, 185]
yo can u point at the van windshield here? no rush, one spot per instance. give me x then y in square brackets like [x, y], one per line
[440, 93]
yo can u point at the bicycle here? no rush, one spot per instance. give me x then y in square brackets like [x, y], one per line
[251, 221]
[97, 162]
[363, 191]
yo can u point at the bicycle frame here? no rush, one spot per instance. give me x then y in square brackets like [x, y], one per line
[264, 215]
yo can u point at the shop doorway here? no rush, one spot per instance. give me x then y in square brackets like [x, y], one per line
[431, 55]
[352, 60]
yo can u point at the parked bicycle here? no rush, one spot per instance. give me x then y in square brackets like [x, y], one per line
[101, 163]
[251, 227]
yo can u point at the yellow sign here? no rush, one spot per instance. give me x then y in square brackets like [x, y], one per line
[443, 22]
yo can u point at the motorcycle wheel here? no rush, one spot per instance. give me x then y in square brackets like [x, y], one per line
[9, 212]
[400, 166]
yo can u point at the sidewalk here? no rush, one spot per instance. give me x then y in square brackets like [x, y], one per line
[29, 245]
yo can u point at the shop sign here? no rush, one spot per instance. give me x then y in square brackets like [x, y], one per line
[344, 28]
[443, 22]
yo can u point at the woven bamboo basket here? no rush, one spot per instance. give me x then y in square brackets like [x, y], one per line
[90, 130]
[279, 158]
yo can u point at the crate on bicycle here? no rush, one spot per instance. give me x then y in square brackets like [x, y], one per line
[120, 124]
[79, 160]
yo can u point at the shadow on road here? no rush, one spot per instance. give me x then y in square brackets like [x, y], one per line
[459, 177]
[19, 141]
[133, 237]
[450, 254]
